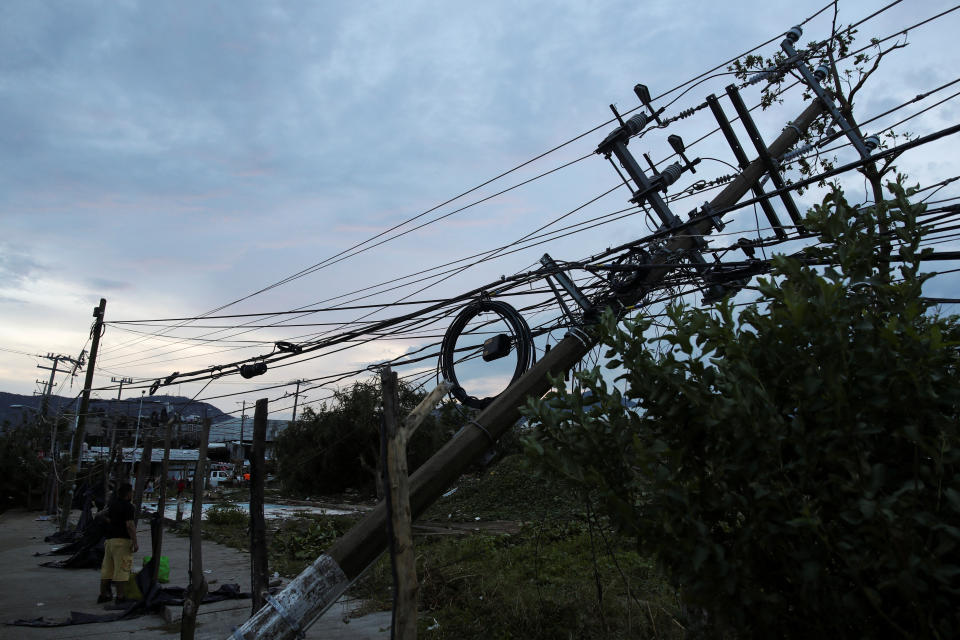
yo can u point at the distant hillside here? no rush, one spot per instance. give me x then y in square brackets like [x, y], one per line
[127, 406]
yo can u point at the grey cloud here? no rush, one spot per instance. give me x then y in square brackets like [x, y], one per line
[16, 267]
[106, 284]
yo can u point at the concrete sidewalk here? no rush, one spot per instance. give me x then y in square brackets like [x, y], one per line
[28, 591]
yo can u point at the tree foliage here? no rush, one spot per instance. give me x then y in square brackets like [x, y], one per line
[23, 469]
[793, 466]
[337, 446]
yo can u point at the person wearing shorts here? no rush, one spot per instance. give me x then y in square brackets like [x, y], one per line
[120, 546]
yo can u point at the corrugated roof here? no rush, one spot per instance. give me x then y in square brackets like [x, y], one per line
[129, 454]
[229, 430]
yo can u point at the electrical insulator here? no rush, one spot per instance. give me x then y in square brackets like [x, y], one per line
[760, 76]
[821, 73]
[871, 142]
[794, 34]
[799, 151]
[671, 174]
[636, 124]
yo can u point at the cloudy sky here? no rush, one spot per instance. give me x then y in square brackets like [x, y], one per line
[173, 157]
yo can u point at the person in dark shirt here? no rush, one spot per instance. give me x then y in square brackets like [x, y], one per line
[120, 546]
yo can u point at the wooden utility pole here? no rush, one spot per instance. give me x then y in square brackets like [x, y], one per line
[108, 463]
[319, 585]
[162, 502]
[259, 577]
[54, 485]
[107, 473]
[296, 399]
[197, 588]
[48, 389]
[243, 420]
[77, 449]
[146, 461]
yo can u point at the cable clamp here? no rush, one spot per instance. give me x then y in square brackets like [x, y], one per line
[790, 125]
[484, 429]
[580, 335]
[236, 635]
[285, 615]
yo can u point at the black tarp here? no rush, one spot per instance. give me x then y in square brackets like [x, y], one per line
[85, 553]
[155, 597]
[161, 597]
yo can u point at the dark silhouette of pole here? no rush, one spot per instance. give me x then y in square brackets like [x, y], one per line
[296, 398]
[162, 502]
[197, 588]
[77, 449]
[259, 578]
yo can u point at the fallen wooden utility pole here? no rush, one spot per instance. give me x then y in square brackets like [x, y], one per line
[197, 588]
[66, 501]
[259, 578]
[319, 585]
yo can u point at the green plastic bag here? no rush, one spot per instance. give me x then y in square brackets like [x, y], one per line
[164, 574]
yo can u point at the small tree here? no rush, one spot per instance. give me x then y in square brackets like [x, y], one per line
[23, 470]
[338, 446]
[793, 466]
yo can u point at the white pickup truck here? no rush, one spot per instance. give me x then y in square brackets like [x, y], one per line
[217, 477]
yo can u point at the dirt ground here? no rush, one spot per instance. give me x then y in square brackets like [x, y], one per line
[28, 591]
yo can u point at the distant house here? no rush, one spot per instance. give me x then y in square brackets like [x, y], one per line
[182, 461]
[237, 435]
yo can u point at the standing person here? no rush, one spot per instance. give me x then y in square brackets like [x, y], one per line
[120, 546]
[148, 490]
[181, 485]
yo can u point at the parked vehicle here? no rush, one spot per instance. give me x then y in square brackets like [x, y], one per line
[218, 477]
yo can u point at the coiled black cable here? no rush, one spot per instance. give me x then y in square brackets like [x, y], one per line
[521, 339]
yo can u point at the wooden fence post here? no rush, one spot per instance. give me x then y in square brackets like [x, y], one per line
[198, 583]
[161, 504]
[397, 494]
[259, 580]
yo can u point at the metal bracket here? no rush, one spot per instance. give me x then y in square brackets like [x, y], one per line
[285, 615]
[707, 211]
[768, 162]
[580, 336]
[798, 63]
[568, 285]
[743, 162]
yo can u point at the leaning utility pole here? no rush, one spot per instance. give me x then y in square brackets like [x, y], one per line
[51, 499]
[308, 595]
[77, 448]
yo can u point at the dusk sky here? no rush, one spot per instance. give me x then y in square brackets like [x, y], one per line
[173, 157]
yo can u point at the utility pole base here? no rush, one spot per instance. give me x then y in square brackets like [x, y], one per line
[323, 581]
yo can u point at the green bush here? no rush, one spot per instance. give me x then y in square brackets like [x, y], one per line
[23, 469]
[228, 513]
[337, 446]
[793, 467]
